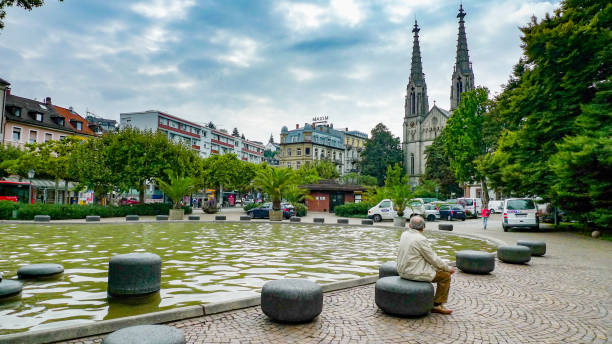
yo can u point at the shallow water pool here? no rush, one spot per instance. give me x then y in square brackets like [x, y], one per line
[201, 263]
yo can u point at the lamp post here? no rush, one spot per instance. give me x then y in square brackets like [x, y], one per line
[437, 189]
[30, 177]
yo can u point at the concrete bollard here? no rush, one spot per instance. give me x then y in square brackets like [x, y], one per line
[367, 222]
[343, 221]
[134, 274]
[161, 217]
[132, 218]
[42, 218]
[92, 218]
[318, 220]
[194, 217]
[220, 218]
[245, 218]
[295, 219]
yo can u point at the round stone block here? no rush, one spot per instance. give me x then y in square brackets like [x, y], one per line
[292, 300]
[161, 217]
[295, 219]
[367, 222]
[194, 218]
[9, 288]
[445, 227]
[146, 334]
[387, 269]
[318, 220]
[134, 274]
[245, 218]
[595, 234]
[39, 271]
[132, 218]
[475, 262]
[92, 218]
[220, 218]
[514, 254]
[42, 218]
[402, 297]
[343, 221]
[538, 248]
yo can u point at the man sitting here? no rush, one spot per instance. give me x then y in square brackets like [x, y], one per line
[418, 262]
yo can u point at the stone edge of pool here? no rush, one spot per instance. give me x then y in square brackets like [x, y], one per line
[181, 313]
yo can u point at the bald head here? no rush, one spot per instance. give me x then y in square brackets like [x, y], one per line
[417, 222]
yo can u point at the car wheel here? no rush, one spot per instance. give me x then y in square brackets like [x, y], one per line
[377, 218]
[431, 218]
[251, 215]
[492, 211]
[505, 228]
[463, 219]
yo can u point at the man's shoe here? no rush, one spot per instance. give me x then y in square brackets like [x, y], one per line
[440, 309]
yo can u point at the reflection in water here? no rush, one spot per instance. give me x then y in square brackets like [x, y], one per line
[140, 304]
[201, 263]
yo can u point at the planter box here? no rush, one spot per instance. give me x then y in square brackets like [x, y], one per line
[176, 214]
[399, 222]
[276, 215]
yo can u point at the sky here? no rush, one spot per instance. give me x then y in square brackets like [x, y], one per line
[255, 65]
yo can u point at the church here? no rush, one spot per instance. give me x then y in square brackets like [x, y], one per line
[422, 124]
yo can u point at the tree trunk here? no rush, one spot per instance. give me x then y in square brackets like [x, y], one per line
[66, 189]
[141, 192]
[485, 191]
[56, 190]
[220, 196]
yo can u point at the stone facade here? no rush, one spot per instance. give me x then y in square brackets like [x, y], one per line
[423, 124]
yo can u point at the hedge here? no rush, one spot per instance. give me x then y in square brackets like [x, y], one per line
[76, 211]
[300, 209]
[352, 209]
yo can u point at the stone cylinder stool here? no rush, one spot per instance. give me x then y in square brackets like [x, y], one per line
[132, 218]
[42, 218]
[343, 221]
[146, 334]
[475, 262]
[134, 274]
[295, 219]
[245, 218]
[92, 218]
[318, 220]
[402, 297]
[161, 217]
[514, 254]
[387, 269]
[194, 217]
[367, 222]
[538, 248]
[39, 271]
[445, 227]
[9, 288]
[219, 218]
[292, 300]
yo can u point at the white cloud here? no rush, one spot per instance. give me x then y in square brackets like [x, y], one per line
[163, 9]
[240, 51]
[302, 74]
[399, 11]
[305, 16]
[157, 70]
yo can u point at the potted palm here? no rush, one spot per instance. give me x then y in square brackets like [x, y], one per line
[400, 195]
[177, 188]
[276, 182]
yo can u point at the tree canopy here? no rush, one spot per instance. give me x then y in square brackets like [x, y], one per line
[381, 150]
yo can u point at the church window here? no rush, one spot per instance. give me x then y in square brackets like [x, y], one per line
[413, 102]
[412, 164]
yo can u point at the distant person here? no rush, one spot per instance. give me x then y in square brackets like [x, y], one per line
[485, 212]
[418, 262]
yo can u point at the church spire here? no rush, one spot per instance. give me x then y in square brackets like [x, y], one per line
[416, 68]
[463, 76]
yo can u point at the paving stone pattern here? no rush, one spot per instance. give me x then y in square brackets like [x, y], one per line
[550, 300]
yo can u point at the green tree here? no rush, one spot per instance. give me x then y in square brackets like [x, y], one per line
[177, 188]
[25, 4]
[311, 173]
[381, 150]
[276, 182]
[437, 170]
[223, 171]
[464, 139]
[89, 163]
[9, 155]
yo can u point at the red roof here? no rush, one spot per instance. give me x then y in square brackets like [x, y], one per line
[73, 116]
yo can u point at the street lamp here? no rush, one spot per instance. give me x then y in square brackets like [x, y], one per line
[437, 189]
[30, 177]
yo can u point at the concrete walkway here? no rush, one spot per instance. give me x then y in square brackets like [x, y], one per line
[563, 297]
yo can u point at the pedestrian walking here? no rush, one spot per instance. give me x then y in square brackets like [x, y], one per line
[485, 216]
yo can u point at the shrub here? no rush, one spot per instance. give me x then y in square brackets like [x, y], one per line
[6, 209]
[300, 209]
[76, 211]
[251, 206]
[352, 209]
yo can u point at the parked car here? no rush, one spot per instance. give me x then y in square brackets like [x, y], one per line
[520, 212]
[263, 211]
[473, 206]
[384, 210]
[451, 211]
[496, 206]
[431, 212]
[128, 201]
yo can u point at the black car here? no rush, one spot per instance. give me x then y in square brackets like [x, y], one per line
[263, 212]
[451, 211]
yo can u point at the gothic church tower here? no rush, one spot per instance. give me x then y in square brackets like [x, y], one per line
[463, 76]
[416, 105]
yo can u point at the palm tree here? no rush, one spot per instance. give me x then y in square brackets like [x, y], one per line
[400, 195]
[177, 188]
[276, 182]
[295, 194]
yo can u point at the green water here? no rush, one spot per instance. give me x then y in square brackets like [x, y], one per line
[201, 263]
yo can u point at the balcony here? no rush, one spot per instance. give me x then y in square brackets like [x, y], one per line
[222, 143]
[196, 147]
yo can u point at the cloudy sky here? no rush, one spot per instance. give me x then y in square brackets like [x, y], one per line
[255, 65]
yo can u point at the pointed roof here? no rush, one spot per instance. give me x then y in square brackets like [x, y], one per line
[416, 68]
[462, 60]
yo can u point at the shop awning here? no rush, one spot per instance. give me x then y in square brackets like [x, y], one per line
[43, 183]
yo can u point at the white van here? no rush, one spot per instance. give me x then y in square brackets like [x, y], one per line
[496, 206]
[473, 206]
[384, 210]
[520, 212]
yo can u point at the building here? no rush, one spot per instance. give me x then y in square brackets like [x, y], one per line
[203, 139]
[312, 143]
[4, 86]
[354, 143]
[31, 121]
[327, 194]
[272, 152]
[107, 125]
[421, 123]
[79, 124]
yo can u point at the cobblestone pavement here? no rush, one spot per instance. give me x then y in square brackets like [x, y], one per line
[563, 297]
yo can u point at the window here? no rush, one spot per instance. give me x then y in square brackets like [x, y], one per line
[307, 151]
[16, 134]
[163, 121]
[298, 152]
[297, 164]
[288, 151]
[48, 137]
[33, 136]
[79, 125]
[385, 204]
[17, 112]
[289, 165]
[411, 164]
[413, 102]
[39, 117]
[62, 138]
